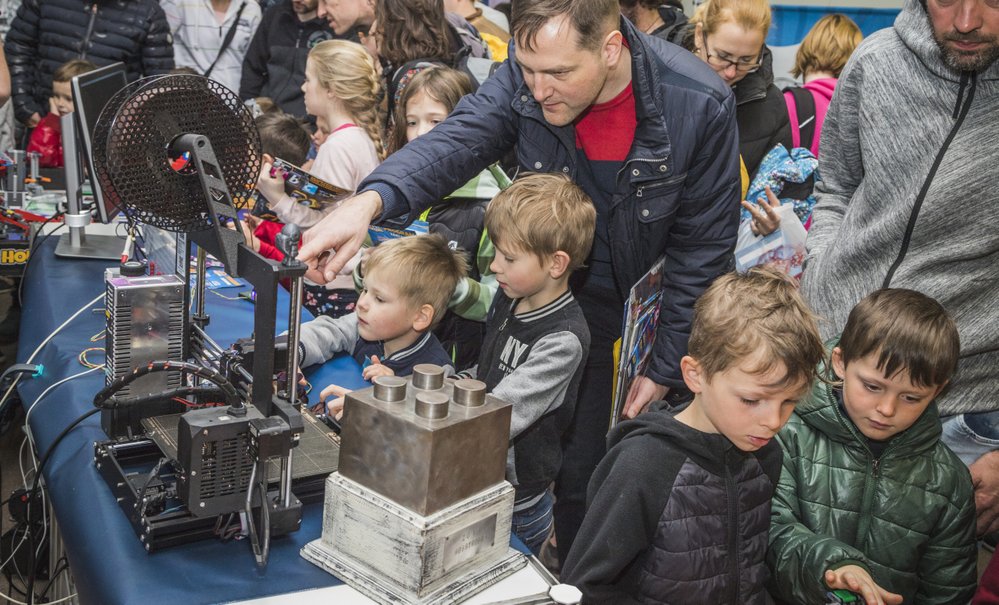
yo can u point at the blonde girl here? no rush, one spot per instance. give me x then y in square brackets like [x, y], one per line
[342, 88]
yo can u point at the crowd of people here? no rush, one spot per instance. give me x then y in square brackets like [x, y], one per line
[784, 440]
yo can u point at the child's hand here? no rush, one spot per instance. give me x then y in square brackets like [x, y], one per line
[765, 218]
[856, 579]
[334, 407]
[377, 368]
[251, 241]
[252, 221]
[270, 184]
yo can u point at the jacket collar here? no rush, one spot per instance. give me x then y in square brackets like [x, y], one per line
[652, 140]
[711, 451]
[754, 86]
[821, 411]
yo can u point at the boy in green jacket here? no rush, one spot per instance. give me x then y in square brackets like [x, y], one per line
[869, 499]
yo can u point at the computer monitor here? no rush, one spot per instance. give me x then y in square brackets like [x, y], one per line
[91, 92]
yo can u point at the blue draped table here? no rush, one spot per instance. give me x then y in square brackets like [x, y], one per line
[109, 564]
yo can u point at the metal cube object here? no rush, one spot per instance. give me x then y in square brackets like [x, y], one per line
[424, 442]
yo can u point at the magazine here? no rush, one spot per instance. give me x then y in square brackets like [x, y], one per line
[784, 249]
[302, 186]
[379, 234]
[641, 319]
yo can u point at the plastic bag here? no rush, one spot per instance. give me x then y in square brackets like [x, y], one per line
[784, 249]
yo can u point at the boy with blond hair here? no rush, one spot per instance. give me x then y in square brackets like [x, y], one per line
[407, 284]
[870, 500]
[679, 509]
[536, 337]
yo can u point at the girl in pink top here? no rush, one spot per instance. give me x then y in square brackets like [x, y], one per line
[820, 59]
[342, 89]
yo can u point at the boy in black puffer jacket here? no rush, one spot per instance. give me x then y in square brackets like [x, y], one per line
[679, 509]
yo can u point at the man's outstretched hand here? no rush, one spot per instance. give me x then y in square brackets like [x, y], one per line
[330, 243]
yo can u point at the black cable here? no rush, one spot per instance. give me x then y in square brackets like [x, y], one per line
[61, 565]
[209, 374]
[34, 491]
[113, 402]
[141, 494]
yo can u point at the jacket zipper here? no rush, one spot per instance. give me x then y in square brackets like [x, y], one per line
[870, 488]
[870, 479]
[85, 44]
[917, 205]
[733, 525]
[657, 184]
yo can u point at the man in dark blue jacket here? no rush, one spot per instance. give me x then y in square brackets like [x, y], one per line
[645, 129]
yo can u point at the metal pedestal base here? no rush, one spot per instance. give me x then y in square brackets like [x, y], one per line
[373, 585]
[103, 247]
[395, 556]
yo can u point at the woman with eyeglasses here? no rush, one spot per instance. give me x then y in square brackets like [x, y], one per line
[728, 35]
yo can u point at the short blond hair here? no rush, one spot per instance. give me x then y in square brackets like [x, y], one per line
[423, 267]
[70, 69]
[828, 46]
[541, 214]
[757, 315]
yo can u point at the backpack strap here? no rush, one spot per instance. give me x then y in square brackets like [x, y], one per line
[804, 104]
[229, 35]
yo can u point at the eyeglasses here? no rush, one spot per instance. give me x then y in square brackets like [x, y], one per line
[722, 63]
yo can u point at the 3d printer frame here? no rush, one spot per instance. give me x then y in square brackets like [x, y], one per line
[277, 425]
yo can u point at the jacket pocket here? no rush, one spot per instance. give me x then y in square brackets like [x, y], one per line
[658, 200]
[535, 157]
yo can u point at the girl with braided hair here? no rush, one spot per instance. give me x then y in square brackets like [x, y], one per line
[343, 88]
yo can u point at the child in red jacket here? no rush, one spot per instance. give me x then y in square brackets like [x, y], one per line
[46, 138]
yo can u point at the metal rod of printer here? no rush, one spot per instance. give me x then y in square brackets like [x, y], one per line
[286, 479]
[294, 323]
[199, 283]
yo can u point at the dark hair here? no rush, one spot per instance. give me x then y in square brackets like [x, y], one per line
[70, 69]
[412, 29]
[283, 136]
[592, 19]
[908, 331]
[445, 85]
[651, 4]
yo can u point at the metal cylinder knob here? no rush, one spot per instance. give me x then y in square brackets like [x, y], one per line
[391, 389]
[469, 392]
[432, 406]
[428, 376]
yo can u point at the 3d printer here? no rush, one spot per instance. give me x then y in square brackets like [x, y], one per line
[167, 150]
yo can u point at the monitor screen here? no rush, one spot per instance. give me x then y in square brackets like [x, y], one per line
[91, 92]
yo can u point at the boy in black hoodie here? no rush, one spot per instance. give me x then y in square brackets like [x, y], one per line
[679, 509]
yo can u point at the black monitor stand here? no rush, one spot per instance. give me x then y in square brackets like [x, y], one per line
[78, 243]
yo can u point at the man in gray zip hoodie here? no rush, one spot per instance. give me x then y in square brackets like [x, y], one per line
[906, 193]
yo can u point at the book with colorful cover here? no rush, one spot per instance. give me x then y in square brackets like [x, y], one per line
[379, 234]
[304, 187]
[638, 335]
